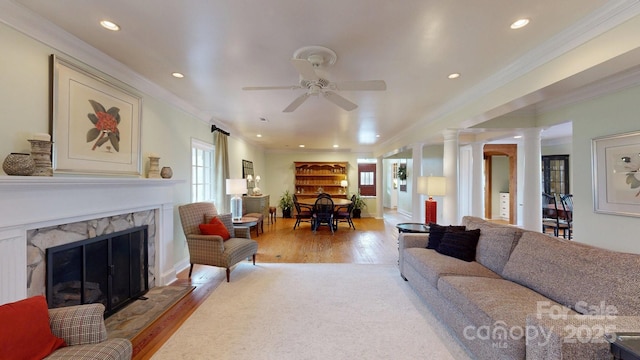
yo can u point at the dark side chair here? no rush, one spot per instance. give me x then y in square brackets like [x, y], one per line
[323, 213]
[304, 213]
[550, 213]
[565, 221]
[343, 214]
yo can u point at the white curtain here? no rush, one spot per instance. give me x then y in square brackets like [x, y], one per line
[221, 172]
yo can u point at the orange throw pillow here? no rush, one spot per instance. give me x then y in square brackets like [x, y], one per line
[215, 227]
[25, 331]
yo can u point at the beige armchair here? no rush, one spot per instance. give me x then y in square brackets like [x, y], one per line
[212, 249]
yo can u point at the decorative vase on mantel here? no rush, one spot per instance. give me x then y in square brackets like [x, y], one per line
[41, 154]
[154, 168]
[166, 172]
[19, 164]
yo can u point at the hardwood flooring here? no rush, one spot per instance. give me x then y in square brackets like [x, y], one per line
[374, 242]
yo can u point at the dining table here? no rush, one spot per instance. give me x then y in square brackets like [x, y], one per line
[337, 202]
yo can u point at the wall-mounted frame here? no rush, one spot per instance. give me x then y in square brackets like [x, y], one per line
[247, 169]
[616, 174]
[95, 123]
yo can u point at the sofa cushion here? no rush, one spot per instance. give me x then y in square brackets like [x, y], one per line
[432, 265]
[495, 244]
[436, 233]
[25, 331]
[496, 308]
[460, 244]
[575, 274]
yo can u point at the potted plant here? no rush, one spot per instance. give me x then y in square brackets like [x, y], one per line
[286, 204]
[358, 205]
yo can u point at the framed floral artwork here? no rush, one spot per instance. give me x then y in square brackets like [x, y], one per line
[96, 123]
[616, 174]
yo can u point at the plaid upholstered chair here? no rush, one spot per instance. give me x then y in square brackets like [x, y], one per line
[213, 249]
[82, 328]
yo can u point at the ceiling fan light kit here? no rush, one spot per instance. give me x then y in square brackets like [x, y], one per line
[307, 60]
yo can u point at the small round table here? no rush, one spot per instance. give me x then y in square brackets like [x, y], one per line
[412, 228]
[249, 222]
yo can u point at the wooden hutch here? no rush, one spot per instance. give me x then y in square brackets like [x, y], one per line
[312, 178]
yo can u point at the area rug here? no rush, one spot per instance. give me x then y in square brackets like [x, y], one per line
[312, 311]
[135, 317]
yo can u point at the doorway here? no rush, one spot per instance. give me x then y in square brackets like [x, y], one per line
[509, 150]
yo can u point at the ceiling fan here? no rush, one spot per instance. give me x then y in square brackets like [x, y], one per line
[307, 61]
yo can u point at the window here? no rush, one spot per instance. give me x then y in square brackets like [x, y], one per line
[555, 174]
[201, 171]
[367, 179]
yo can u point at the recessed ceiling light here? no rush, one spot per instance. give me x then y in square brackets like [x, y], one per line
[517, 136]
[377, 135]
[301, 145]
[109, 25]
[336, 146]
[520, 23]
[177, 75]
[454, 76]
[259, 135]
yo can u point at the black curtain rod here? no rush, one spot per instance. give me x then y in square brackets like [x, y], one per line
[215, 128]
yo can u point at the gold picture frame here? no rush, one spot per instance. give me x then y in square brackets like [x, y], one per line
[96, 124]
[616, 174]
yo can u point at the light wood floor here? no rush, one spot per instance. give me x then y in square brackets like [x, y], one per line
[374, 242]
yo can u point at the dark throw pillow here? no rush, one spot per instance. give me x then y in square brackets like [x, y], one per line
[461, 244]
[436, 232]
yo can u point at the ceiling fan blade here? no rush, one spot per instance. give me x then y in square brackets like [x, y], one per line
[361, 85]
[305, 69]
[291, 87]
[339, 100]
[297, 102]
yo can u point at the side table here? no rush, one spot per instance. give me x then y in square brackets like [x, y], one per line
[249, 222]
[412, 228]
[624, 345]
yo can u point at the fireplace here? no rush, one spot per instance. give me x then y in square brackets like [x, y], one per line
[111, 269]
[39, 212]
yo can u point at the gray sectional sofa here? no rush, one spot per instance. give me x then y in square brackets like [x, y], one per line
[526, 295]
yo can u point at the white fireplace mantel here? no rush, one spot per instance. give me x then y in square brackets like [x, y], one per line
[31, 202]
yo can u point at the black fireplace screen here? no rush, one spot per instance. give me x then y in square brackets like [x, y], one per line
[112, 269]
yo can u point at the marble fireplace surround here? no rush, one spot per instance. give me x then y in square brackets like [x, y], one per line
[30, 203]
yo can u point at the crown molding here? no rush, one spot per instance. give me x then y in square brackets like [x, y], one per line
[34, 26]
[610, 15]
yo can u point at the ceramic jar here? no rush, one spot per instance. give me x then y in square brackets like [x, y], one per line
[19, 164]
[166, 172]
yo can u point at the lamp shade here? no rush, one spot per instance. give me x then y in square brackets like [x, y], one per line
[344, 183]
[236, 186]
[432, 185]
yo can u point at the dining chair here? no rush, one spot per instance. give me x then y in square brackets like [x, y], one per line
[550, 213]
[304, 213]
[323, 213]
[565, 222]
[343, 214]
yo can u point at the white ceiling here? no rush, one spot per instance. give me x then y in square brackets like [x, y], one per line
[222, 46]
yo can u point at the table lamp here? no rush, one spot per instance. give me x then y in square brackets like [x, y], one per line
[249, 181]
[236, 187]
[431, 186]
[256, 189]
[344, 185]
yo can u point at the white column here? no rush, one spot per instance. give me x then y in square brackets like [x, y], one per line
[532, 187]
[417, 205]
[450, 171]
[477, 187]
[379, 188]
